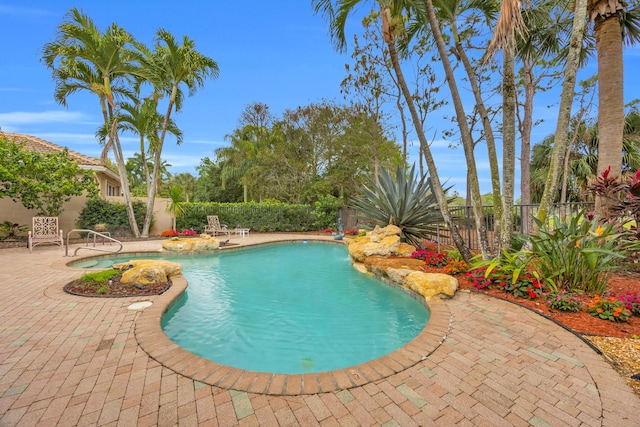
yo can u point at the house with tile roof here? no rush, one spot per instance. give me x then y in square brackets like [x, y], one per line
[108, 180]
[108, 183]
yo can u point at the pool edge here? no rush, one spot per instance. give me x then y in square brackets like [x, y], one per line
[153, 341]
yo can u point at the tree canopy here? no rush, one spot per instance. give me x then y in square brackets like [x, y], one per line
[41, 181]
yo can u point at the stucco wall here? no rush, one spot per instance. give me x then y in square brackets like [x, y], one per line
[16, 213]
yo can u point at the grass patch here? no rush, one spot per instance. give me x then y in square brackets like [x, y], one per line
[99, 276]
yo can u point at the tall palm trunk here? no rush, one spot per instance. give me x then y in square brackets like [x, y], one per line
[488, 135]
[424, 146]
[467, 140]
[508, 140]
[525, 143]
[152, 188]
[610, 99]
[114, 141]
[564, 112]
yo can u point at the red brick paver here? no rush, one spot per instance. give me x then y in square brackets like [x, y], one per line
[67, 360]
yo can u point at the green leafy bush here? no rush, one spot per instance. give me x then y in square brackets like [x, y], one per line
[262, 217]
[10, 230]
[578, 254]
[326, 210]
[511, 271]
[100, 211]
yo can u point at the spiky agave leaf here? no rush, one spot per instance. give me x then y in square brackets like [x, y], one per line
[405, 201]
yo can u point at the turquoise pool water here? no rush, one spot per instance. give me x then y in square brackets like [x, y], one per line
[288, 308]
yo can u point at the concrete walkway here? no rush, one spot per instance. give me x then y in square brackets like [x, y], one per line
[67, 360]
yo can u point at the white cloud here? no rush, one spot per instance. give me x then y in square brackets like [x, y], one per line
[59, 116]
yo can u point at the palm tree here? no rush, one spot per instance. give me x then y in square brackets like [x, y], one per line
[176, 207]
[168, 67]
[143, 119]
[84, 58]
[606, 16]
[392, 25]
[584, 155]
[237, 160]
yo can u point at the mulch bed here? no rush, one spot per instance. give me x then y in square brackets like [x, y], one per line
[115, 289]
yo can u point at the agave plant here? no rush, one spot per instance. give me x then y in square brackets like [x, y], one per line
[405, 201]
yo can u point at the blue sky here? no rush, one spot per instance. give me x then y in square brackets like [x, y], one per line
[277, 53]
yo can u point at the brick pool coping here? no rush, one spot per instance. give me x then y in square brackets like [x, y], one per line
[154, 342]
[152, 339]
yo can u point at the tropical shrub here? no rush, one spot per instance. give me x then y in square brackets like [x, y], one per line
[512, 272]
[564, 301]
[326, 211]
[10, 230]
[609, 308]
[406, 201]
[100, 211]
[578, 254]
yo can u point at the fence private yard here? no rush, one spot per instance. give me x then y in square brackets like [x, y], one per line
[463, 216]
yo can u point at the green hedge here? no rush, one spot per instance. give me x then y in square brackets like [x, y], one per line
[100, 211]
[264, 217]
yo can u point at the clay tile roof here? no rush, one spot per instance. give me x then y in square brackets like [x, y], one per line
[42, 146]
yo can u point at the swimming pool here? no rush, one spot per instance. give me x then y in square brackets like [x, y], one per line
[288, 308]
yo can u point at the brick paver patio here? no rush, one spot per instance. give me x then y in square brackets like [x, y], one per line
[67, 360]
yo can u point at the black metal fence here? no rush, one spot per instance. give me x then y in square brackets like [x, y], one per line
[463, 216]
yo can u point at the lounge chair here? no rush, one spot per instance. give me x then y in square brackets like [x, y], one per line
[45, 230]
[214, 227]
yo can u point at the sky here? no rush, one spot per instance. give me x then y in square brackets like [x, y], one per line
[276, 53]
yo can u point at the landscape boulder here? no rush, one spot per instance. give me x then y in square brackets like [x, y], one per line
[204, 243]
[432, 286]
[147, 271]
[379, 242]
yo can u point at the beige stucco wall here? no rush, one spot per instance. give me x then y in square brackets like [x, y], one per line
[16, 213]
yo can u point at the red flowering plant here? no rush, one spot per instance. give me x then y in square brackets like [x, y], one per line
[433, 259]
[631, 302]
[169, 233]
[610, 308]
[510, 271]
[479, 278]
[189, 232]
[525, 285]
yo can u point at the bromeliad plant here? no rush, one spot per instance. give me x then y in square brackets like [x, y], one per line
[405, 201]
[578, 254]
